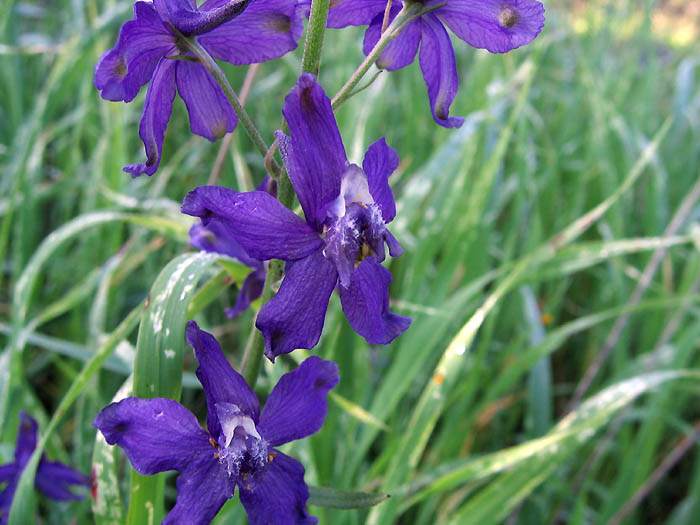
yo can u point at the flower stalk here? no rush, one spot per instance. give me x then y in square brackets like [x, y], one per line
[311, 61]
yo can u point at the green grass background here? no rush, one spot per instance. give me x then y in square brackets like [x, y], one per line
[462, 419]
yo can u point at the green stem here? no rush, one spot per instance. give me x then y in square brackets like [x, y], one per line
[213, 68]
[311, 62]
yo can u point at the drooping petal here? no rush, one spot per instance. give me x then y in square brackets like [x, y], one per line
[211, 114]
[26, 439]
[156, 434]
[401, 51]
[142, 42]
[379, 163]
[345, 13]
[251, 289]
[438, 63]
[222, 384]
[155, 116]
[263, 226]
[54, 479]
[264, 31]
[297, 405]
[202, 490]
[314, 156]
[279, 498]
[294, 317]
[496, 25]
[215, 238]
[366, 304]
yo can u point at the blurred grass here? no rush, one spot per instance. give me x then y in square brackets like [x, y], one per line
[552, 131]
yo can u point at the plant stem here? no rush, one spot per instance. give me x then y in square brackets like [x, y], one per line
[311, 62]
[212, 67]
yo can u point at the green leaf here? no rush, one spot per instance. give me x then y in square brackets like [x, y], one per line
[344, 499]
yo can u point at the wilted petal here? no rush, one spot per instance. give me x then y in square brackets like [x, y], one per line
[401, 51]
[345, 13]
[211, 114]
[297, 405]
[251, 289]
[366, 304]
[53, 479]
[314, 155]
[437, 61]
[294, 317]
[126, 67]
[221, 383]
[155, 117]
[279, 498]
[496, 25]
[156, 434]
[379, 163]
[264, 31]
[26, 439]
[263, 226]
[201, 492]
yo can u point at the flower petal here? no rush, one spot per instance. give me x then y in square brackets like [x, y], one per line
[345, 13]
[264, 31]
[314, 155]
[7, 472]
[142, 42]
[366, 304]
[496, 25]
[215, 238]
[251, 289]
[263, 226]
[294, 317]
[6, 496]
[167, 9]
[54, 478]
[279, 498]
[220, 381]
[26, 439]
[156, 434]
[401, 51]
[437, 61]
[297, 405]
[211, 114]
[155, 116]
[201, 492]
[379, 163]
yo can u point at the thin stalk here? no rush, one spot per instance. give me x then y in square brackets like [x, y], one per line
[311, 61]
[213, 68]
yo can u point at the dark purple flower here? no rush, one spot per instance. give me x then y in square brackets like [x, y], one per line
[52, 478]
[238, 447]
[148, 49]
[495, 25]
[341, 242]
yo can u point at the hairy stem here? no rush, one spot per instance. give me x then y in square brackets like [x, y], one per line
[311, 62]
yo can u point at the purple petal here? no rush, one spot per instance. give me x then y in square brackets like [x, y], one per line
[7, 472]
[379, 163]
[251, 289]
[264, 31]
[279, 498]
[314, 156]
[126, 67]
[201, 492]
[6, 496]
[155, 117]
[297, 405]
[168, 8]
[26, 439]
[345, 13]
[401, 51]
[294, 317]
[220, 381]
[366, 304]
[53, 479]
[263, 226]
[437, 61]
[215, 238]
[156, 434]
[211, 114]
[496, 25]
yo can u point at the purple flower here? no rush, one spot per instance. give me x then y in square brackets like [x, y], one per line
[341, 242]
[148, 49]
[495, 25]
[238, 447]
[52, 478]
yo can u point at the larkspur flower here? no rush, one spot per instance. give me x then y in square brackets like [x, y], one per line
[52, 478]
[148, 48]
[498, 26]
[341, 242]
[215, 238]
[238, 448]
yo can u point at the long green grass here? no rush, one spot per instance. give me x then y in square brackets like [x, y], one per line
[557, 226]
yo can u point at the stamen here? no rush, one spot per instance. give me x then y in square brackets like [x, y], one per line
[508, 17]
